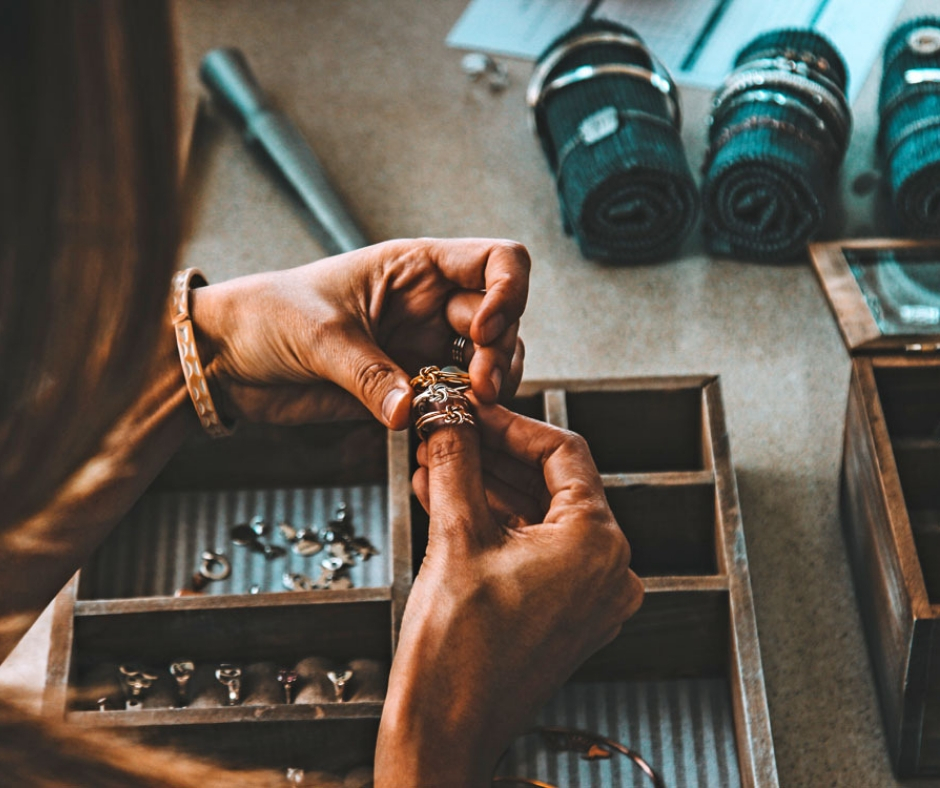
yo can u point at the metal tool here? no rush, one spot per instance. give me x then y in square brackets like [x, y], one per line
[226, 73]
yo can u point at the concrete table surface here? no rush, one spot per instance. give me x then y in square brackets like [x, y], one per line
[416, 149]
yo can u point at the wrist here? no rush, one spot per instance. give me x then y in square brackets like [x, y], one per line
[435, 727]
[414, 751]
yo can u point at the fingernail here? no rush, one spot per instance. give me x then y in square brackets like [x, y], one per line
[493, 327]
[496, 377]
[390, 404]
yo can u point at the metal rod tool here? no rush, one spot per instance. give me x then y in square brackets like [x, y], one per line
[227, 75]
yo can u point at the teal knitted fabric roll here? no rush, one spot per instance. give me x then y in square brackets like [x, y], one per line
[909, 132]
[623, 181]
[780, 127]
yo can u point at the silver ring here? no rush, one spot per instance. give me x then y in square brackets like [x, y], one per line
[658, 78]
[585, 73]
[837, 112]
[214, 566]
[457, 349]
[761, 96]
[798, 67]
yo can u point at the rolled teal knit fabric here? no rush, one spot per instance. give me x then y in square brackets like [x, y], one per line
[630, 196]
[769, 174]
[909, 132]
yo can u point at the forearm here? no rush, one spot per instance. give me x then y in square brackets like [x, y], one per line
[39, 554]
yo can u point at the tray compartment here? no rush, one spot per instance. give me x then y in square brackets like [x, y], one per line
[662, 687]
[683, 728]
[910, 399]
[669, 522]
[342, 629]
[259, 456]
[156, 549]
[641, 430]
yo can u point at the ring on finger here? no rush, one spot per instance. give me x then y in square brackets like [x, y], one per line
[437, 396]
[451, 376]
[451, 416]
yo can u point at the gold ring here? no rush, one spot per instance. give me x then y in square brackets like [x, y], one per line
[451, 376]
[451, 416]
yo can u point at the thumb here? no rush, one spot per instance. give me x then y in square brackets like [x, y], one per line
[457, 503]
[374, 379]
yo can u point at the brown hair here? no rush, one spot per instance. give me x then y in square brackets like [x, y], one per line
[89, 226]
[89, 229]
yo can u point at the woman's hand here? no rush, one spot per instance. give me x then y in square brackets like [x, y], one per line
[323, 340]
[526, 574]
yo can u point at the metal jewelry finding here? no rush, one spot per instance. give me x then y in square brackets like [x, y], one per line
[182, 671]
[288, 680]
[306, 542]
[214, 565]
[339, 528]
[295, 581]
[477, 64]
[458, 350]
[136, 682]
[339, 680]
[231, 677]
[590, 746]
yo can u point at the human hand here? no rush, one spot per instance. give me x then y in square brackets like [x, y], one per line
[526, 574]
[344, 335]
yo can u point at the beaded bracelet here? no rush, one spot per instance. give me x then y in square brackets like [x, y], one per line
[193, 373]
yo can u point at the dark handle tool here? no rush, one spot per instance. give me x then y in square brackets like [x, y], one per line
[226, 73]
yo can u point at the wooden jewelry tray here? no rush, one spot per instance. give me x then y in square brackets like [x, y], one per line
[682, 684]
[890, 497]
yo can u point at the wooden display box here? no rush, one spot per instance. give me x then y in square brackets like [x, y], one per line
[682, 683]
[886, 298]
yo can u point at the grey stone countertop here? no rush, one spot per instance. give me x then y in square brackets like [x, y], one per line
[416, 149]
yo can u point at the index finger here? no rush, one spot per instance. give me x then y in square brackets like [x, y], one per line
[456, 496]
[571, 476]
[500, 268]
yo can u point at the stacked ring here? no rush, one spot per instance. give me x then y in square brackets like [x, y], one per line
[441, 399]
[455, 378]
